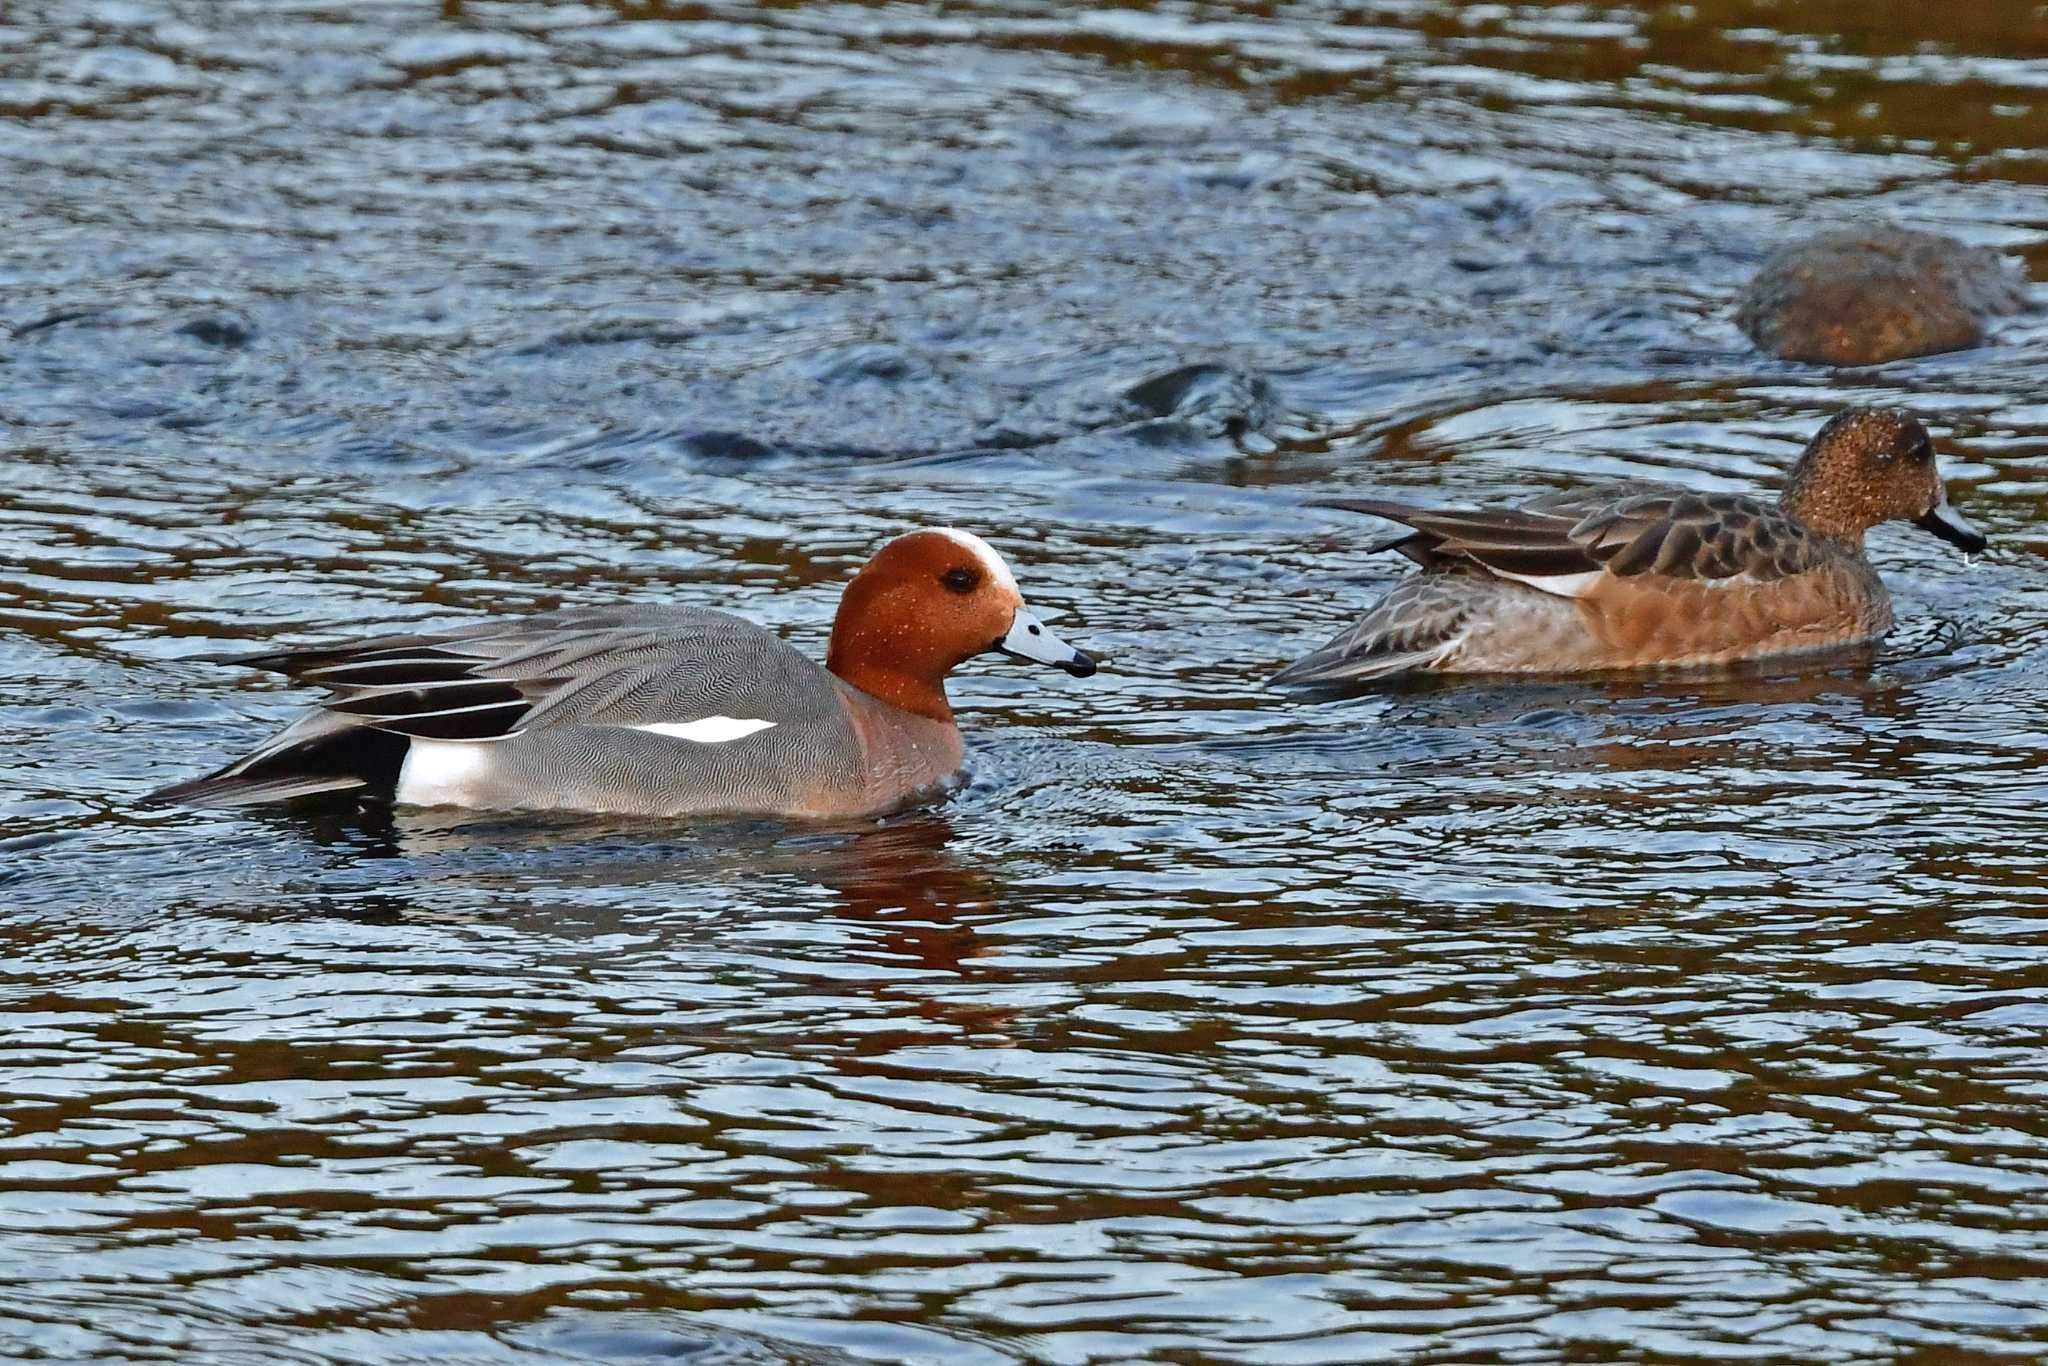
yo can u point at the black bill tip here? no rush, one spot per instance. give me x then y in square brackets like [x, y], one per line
[1945, 522]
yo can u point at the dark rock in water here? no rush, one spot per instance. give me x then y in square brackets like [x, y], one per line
[1215, 399]
[889, 364]
[224, 330]
[736, 446]
[1858, 296]
[58, 318]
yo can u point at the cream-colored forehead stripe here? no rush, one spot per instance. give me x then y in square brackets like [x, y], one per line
[712, 730]
[990, 561]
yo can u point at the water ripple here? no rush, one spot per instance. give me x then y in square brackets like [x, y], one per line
[1666, 1019]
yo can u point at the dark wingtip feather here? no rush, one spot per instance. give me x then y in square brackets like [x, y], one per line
[1418, 546]
[235, 658]
[1376, 507]
[1332, 671]
[224, 790]
[294, 662]
[353, 759]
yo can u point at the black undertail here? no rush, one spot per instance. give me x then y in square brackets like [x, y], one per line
[358, 759]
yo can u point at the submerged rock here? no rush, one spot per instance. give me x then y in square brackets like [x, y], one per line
[225, 330]
[1217, 400]
[1858, 296]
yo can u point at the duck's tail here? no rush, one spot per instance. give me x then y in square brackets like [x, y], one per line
[1414, 628]
[320, 753]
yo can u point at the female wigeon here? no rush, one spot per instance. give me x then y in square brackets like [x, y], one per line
[1875, 293]
[660, 711]
[1645, 577]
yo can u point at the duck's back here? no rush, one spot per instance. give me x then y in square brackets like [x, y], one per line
[655, 711]
[651, 711]
[1611, 577]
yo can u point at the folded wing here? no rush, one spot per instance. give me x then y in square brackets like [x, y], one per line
[652, 668]
[1567, 544]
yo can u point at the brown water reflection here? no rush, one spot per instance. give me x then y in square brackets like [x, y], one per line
[1661, 1020]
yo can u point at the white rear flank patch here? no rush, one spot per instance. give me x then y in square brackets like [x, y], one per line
[1563, 585]
[440, 772]
[991, 562]
[712, 730]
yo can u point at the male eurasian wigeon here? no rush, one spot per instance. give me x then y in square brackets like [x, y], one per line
[659, 711]
[1639, 576]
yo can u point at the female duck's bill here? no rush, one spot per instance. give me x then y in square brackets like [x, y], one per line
[1959, 531]
[659, 711]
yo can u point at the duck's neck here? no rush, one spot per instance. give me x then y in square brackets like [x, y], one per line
[884, 646]
[896, 666]
[919, 696]
[1823, 507]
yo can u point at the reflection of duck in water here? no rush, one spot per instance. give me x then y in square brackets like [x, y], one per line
[657, 711]
[1859, 296]
[899, 874]
[902, 876]
[1646, 577]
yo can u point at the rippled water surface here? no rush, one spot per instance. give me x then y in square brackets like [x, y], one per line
[1601, 1021]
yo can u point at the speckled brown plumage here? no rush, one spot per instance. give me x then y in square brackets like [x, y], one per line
[1861, 296]
[1646, 577]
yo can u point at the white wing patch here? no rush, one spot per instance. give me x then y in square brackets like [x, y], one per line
[1578, 585]
[1563, 585]
[712, 730]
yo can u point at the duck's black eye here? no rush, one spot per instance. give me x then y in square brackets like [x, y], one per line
[960, 580]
